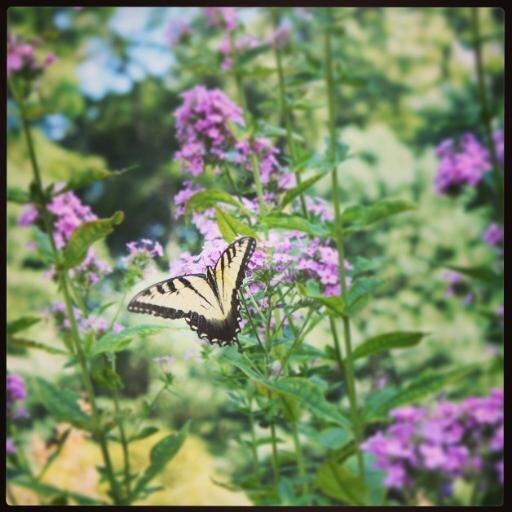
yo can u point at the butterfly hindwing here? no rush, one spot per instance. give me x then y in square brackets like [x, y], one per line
[209, 303]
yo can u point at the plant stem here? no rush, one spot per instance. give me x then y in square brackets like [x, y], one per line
[300, 457]
[122, 435]
[254, 448]
[116, 495]
[286, 114]
[485, 113]
[348, 366]
[63, 279]
[275, 460]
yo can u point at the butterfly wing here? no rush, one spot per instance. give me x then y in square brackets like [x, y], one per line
[229, 273]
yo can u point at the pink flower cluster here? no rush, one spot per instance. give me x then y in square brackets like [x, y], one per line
[92, 323]
[21, 57]
[202, 126]
[16, 392]
[460, 163]
[449, 439]
[69, 213]
[493, 235]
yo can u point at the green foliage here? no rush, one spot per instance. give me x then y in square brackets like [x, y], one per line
[62, 404]
[113, 342]
[230, 227]
[161, 454]
[339, 483]
[84, 236]
[388, 341]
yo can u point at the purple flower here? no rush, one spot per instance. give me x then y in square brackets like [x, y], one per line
[16, 389]
[450, 440]
[202, 126]
[493, 235]
[396, 476]
[49, 59]
[181, 198]
[461, 163]
[20, 56]
[28, 215]
[10, 447]
[281, 36]
[142, 252]
[221, 17]
[499, 144]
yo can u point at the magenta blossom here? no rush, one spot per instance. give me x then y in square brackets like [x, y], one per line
[461, 163]
[202, 126]
[448, 439]
[493, 235]
[21, 58]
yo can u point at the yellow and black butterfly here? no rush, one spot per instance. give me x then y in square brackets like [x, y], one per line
[208, 302]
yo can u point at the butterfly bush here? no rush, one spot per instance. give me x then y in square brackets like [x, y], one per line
[447, 440]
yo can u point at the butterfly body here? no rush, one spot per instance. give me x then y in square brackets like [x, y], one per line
[208, 302]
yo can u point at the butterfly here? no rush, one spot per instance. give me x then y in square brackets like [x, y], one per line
[208, 302]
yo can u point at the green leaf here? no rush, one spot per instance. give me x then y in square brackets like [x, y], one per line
[208, 198]
[62, 404]
[296, 223]
[337, 482]
[161, 454]
[117, 341]
[145, 432]
[20, 324]
[332, 438]
[292, 193]
[481, 272]
[85, 235]
[335, 304]
[17, 195]
[359, 294]
[23, 344]
[362, 216]
[388, 341]
[47, 490]
[230, 227]
[430, 383]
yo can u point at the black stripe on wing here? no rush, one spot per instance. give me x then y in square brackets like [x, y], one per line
[141, 303]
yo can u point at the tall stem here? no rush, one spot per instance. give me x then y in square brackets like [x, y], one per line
[122, 435]
[347, 368]
[300, 457]
[63, 280]
[485, 112]
[286, 114]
